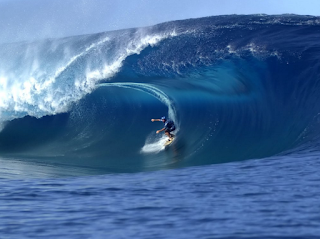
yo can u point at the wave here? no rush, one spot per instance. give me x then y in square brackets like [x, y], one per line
[237, 87]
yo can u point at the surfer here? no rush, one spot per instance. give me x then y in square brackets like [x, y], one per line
[168, 126]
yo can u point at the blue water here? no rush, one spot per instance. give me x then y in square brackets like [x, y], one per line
[79, 156]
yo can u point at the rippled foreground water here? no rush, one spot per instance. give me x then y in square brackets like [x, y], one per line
[267, 198]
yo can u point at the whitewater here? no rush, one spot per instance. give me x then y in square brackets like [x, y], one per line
[80, 158]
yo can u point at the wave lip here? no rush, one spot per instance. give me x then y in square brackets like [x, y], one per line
[55, 74]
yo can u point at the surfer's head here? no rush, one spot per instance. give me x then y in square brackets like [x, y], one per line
[163, 118]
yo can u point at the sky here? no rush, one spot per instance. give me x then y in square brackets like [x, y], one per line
[22, 20]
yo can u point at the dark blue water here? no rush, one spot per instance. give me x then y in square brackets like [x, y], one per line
[80, 157]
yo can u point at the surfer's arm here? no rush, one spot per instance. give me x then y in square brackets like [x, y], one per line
[155, 120]
[158, 131]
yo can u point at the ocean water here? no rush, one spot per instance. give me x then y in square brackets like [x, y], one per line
[79, 156]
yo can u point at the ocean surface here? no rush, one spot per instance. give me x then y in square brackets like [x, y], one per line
[80, 157]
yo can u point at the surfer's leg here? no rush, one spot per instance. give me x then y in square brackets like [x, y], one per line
[172, 129]
[167, 133]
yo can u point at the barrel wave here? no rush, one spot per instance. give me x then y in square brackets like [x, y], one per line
[237, 87]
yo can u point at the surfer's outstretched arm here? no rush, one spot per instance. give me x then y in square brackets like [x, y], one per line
[158, 131]
[155, 120]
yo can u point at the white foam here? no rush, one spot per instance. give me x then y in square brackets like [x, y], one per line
[32, 88]
[135, 46]
[155, 146]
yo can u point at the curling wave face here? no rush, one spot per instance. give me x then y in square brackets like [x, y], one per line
[237, 87]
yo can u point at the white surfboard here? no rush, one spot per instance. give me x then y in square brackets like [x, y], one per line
[168, 142]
